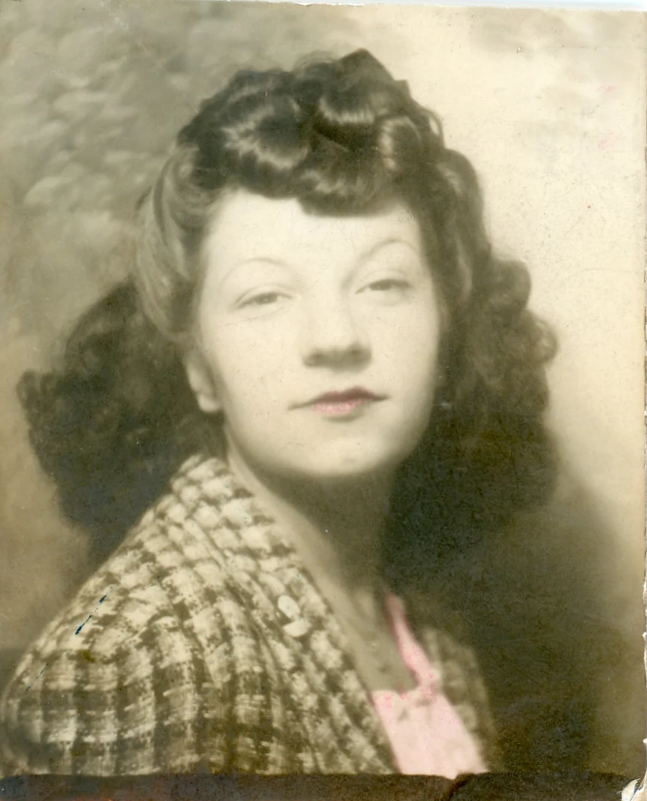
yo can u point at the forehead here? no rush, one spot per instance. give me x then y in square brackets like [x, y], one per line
[248, 226]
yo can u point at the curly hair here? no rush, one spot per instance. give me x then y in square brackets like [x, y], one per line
[343, 137]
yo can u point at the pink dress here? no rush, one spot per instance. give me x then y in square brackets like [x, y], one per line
[427, 736]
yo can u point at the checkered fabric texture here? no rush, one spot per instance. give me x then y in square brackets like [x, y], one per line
[203, 645]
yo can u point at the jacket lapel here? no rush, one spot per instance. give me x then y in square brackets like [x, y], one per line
[296, 625]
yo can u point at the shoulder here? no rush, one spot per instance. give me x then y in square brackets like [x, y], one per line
[165, 562]
[122, 670]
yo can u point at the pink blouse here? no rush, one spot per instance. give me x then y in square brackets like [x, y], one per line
[426, 734]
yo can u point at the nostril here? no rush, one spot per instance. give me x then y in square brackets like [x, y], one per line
[332, 331]
[351, 355]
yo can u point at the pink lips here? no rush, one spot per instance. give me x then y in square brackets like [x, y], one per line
[342, 403]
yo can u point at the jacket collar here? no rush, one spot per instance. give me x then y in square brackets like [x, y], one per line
[288, 611]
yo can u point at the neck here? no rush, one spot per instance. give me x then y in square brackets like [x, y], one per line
[337, 529]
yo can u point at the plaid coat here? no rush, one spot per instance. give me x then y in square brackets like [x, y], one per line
[201, 644]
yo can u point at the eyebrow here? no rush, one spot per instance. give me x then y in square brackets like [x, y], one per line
[252, 260]
[363, 258]
[385, 243]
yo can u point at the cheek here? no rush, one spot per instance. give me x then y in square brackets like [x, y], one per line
[412, 341]
[245, 375]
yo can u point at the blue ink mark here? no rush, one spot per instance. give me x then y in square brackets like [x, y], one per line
[82, 624]
[101, 600]
[78, 631]
[29, 686]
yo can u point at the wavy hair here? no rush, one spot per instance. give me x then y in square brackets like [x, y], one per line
[343, 137]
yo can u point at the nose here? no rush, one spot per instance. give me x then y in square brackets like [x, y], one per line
[333, 334]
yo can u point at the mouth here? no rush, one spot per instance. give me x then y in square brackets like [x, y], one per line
[342, 403]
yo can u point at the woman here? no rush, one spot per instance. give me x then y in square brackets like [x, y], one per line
[318, 382]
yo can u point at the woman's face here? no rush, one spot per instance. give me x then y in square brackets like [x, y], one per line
[317, 338]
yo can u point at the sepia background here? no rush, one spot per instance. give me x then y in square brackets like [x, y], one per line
[548, 105]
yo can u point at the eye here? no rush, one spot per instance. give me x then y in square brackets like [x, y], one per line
[388, 284]
[387, 290]
[262, 299]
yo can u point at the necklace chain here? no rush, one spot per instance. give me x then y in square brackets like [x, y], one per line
[368, 632]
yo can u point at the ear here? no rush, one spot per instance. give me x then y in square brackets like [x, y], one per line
[201, 381]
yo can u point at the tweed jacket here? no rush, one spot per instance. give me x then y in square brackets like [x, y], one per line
[203, 645]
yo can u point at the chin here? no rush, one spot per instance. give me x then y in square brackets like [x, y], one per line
[353, 466]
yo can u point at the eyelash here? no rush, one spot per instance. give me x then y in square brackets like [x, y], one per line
[382, 285]
[388, 283]
[261, 299]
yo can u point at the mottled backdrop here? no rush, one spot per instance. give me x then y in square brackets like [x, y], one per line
[549, 105]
